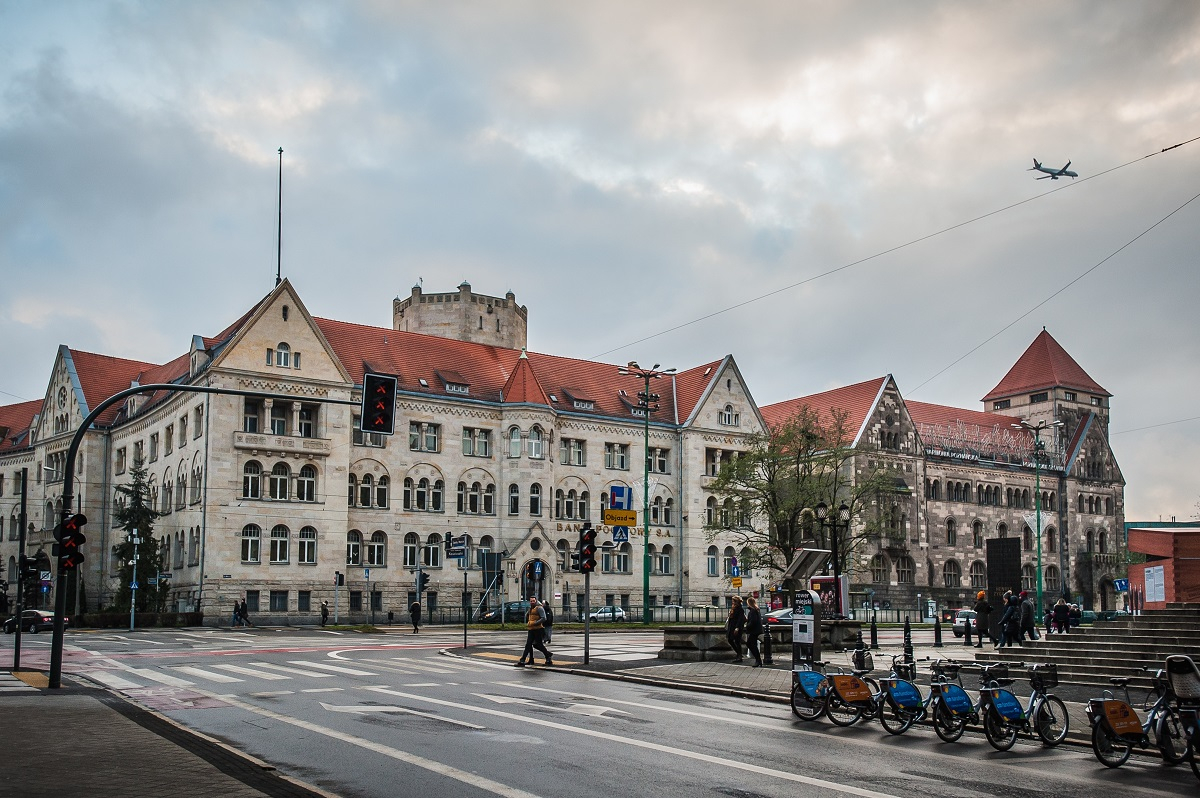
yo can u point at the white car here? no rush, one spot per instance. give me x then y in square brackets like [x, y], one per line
[607, 614]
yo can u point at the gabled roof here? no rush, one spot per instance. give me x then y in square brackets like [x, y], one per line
[100, 376]
[1044, 365]
[857, 400]
[15, 421]
[692, 385]
[522, 386]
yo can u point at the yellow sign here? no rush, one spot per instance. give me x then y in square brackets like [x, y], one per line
[619, 517]
[736, 581]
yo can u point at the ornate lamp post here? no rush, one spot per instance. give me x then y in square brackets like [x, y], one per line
[1039, 449]
[648, 402]
[841, 519]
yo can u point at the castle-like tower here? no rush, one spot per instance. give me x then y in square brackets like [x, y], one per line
[463, 316]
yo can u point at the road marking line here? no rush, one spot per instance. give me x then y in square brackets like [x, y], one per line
[422, 667]
[297, 671]
[203, 674]
[466, 777]
[334, 668]
[252, 672]
[371, 708]
[161, 678]
[422, 684]
[323, 690]
[666, 749]
[269, 693]
[110, 679]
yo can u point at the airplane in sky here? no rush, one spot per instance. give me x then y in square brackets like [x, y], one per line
[1053, 174]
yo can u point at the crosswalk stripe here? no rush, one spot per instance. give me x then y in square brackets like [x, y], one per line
[462, 666]
[203, 674]
[110, 679]
[422, 668]
[334, 668]
[297, 671]
[161, 678]
[252, 672]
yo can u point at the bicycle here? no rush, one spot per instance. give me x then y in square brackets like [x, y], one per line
[950, 707]
[1004, 717]
[810, 691]
[852, 697]
[1116, 728]
[900, 704]
[1184, 681]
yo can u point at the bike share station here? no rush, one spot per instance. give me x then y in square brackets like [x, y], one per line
[808, 677]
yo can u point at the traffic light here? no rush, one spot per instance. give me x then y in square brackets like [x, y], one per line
[378, 404]
[339, 579]
[69, 534]
[422, 581]
[29, 569]
[575, 560]
[587, 549]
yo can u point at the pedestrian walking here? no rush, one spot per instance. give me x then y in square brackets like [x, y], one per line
[754, 628]
[1010, 621]
[548, 627]
[245, 613]
[535, 624]
[735, 624]
[324, 612]
[983, 611]
[1028, 619]
[1061, 614]
[237, 614]
[414, 610]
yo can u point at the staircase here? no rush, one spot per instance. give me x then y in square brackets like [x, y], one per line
[1120, 647]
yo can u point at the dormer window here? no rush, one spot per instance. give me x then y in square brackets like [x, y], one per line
[728, 417]
[579, 399]
[454, 382]
[457, 387]
[581, 404]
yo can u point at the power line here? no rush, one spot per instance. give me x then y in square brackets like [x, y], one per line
[888, 251]
[1156, 426]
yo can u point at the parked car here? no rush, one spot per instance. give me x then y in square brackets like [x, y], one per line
[514, 612]
[961, 619]
[607, 614]
[33, 621]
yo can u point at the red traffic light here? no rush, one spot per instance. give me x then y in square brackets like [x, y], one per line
[70, 538]
[378, 404]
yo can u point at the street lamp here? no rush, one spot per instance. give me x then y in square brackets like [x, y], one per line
[1039, 449]
[842, 519]
[648, 403]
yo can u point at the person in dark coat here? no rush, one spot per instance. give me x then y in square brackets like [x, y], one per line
[735, 624]
[324, 612]
[1028, 621]
[1010, 621]
[983, 611]
[754, 628]
[414, 610]
[535, 624]
[245, 613]
[1061, 614]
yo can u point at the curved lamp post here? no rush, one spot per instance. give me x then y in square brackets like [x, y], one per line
[841, 519]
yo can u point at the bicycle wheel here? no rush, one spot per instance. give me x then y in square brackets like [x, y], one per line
[1169, 737]
[840, 713]
[896, 720]
[1052, 722]
[949, 727]
[804, 707]
[1001, 735]
[1111, 751]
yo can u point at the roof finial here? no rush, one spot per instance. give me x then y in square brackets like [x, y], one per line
[523, 355]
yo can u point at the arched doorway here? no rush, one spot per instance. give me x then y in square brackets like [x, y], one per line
[1106, 593]
[535, 579]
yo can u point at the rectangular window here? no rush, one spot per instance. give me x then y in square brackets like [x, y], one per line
[252, 601]
[169, 440]
[308, 422]
[616, 456]
[153, 447]
[377, 600]
[197, 419]
[183, 431]
[658, 460]
[278, 419]
[304, 601]
[476, 442]
[1038, 397]
[1097, 401]
[121, 462]
[1069, 396]
[423, 437]
[572, 451]
[279, 601]
[250, 414]
[356, 600]
[1003, 404]
[360, 438]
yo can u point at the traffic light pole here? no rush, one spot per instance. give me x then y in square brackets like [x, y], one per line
[21, 569]
[587, 616]
[133, 582]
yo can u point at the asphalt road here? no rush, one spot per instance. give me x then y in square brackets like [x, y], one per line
[385, 715]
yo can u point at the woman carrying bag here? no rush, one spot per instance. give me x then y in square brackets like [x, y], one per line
[734, 625]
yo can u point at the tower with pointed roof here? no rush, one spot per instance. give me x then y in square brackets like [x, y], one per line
[464, 315]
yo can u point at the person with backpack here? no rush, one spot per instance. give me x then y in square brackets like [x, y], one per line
[535, 623]
[237, 615]
[734, 626]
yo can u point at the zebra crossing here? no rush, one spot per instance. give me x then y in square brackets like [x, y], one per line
[11, 684]
[193, 675]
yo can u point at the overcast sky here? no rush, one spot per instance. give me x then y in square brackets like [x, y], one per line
[626, 168]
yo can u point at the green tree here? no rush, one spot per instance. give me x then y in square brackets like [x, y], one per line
[767, 495]
[136, 512]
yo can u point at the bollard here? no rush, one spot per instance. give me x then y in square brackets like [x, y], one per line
[937, 631]
[967, 633]
[767, 647]
[908, 650]
[874, 632]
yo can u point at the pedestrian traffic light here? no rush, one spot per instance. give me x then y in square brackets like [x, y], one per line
[29, 569]
[378, 404]
[587, 549]
[339, 579]
[69, 534]
[422, 581]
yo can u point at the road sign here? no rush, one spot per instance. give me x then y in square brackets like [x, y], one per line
[737, 571]
[1120, 585]
[152, 580]
[456, 553]
[164, 575]
[619, 517]
[620, 534]
[134, 586]
[736, 581]
[620, 498]
[367, 574]
[46, 576]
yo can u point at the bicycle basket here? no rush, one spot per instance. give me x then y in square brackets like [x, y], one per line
[1184, 677]
[996, 672]
[1043, 677]
[907, 671]
[863, 661]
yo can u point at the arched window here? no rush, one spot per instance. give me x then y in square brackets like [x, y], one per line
[727, 557]
[462, 497]
[354, 547]
[1108, 506]
[251, 539]
[252, 480]
[560, 503]
[905, 570]
[710, 511]
[624, 561]
[306, 549]
[937, 489]
[727, 513]
[421, 494]
[1051, 580]
[1027, 539]
[977, 534]
[1103, 541]
[381, 492]
[435, 496]
[569, 506]
[665, 557]
[1079, 503]
[514, 442]
[1002, 531]
[432, 554]
[306, 484]
[352, 498]
[668, 512]
[535, 443]
[473, 499]
[377, 549]
[1051, 539]
[656, 510]
[1028, 577]
[535, 499]
[283, 355]
[412, 542]
[366, 487]
[279, 544]
[582, 507]
[514, 499]
[280, 477]
[712, 561]
[489, 500]
[951, 532]
[407, 497]
[978, 574]
[881, 571]
[952, 574]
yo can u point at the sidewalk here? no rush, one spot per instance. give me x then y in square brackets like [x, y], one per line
[86, 741]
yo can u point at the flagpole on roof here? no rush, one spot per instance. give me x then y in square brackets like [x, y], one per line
[279, 231]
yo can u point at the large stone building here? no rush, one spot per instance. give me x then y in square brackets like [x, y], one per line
[268, 498]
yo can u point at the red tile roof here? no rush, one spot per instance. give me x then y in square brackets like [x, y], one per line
[101, 376]
[690, 385]
[857, 400]
[523, 386]
[941, 415]
[15, 421]
[1044, 365]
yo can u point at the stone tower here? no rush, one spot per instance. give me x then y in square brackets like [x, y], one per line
[463, 316]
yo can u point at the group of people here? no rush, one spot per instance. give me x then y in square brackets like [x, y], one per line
[539, 625]
[1018, 621]
[744, 622]
[241, 615]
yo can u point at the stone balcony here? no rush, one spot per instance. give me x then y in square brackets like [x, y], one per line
[258, 443]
